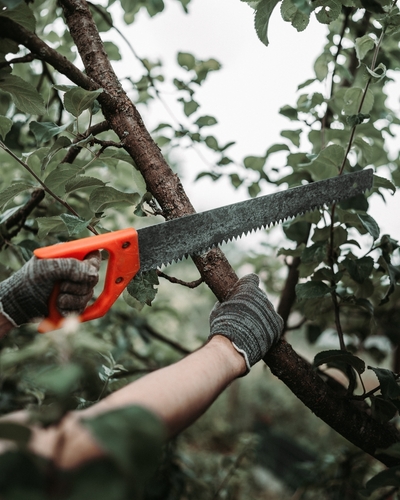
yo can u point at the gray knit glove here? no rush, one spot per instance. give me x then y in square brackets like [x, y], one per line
[25, 295]
[247, 319]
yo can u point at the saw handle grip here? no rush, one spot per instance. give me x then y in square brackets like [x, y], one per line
[123, 264]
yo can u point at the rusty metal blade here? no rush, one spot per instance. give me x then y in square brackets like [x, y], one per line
[173, 240]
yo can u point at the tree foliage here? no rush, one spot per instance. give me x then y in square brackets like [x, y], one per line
[77, 157]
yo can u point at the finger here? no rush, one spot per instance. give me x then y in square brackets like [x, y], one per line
[71, 288]
[250, 280]
[73, 304]
[94, 259]
[67, 269]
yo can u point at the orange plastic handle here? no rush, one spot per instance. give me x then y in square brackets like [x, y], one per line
[123, 264]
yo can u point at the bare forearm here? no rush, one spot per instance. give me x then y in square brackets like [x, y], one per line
[181, 392]
[178, 394]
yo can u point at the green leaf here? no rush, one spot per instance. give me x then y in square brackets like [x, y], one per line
[363, 45]
[254, 189]
[186, 60]
[354, 120]
[370, 225]
[373, 6]
[306, 83]
[291, 13]
[205, 121]
[264, 10]
[142, 287]
[212, 142]
[133, 437]
[382, 409]
[81, 182]
[254, 162]
[378, 73]
[236, 180]
[289, 111]
[58, 177]
[44, 131]
[107, 197]
[353, 98]
[327, 10]
[326, 164]
[297, 231]
[75, 225]
[24, 94]
[389, 385]
[275, 148]
[47, 225]
[15, 432]
[381, 182]
[311, 290]
[77, 100]
[292, 135]
[60, 380]
[359, 269]
[189, 107]
[10, 4]
[337, 356]
[12, 191]
[314, 253]
[22, 15]
[213, 175]
[5, 126]
[112, 51]
[321, 65]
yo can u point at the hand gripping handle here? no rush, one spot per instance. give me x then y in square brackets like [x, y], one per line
[123, 264]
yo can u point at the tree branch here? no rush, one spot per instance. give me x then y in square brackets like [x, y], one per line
[14, 31]
[335, 409]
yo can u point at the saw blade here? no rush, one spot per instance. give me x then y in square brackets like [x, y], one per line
[171, 241]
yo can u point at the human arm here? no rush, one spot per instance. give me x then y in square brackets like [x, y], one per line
[25, 295]
[178, 394]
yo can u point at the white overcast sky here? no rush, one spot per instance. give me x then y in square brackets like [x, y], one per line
[246, 94]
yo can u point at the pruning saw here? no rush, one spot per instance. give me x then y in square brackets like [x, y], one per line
[132, 251]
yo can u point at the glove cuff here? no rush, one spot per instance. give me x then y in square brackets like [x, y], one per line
[7, 316]
[246, 358]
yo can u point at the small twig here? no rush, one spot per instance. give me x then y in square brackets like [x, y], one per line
[366, 395]
[230, 473]
[188, 284]
[49, 191]
[107, 144]
[178, 347]
[28, 58]
[18, 218]
[93, 130]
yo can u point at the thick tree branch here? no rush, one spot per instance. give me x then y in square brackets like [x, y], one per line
[332, 407]
[40, 50]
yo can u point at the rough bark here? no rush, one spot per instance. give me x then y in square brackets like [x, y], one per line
[345, 416]
[124, 119]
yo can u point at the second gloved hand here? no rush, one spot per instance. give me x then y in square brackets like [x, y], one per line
[248, 319]
[25, 295]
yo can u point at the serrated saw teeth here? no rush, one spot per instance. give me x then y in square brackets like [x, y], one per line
[196, 234]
